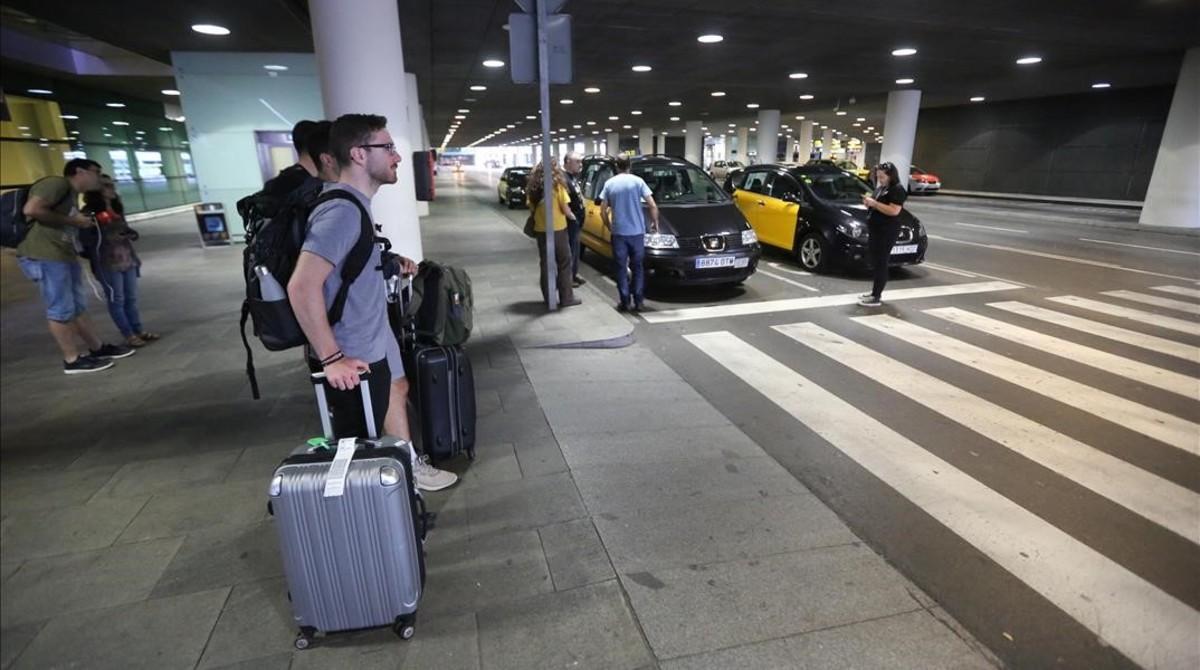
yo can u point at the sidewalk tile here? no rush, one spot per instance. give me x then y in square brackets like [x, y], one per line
[161, 633]
[585, 628]
[48, 587]
[753, 600]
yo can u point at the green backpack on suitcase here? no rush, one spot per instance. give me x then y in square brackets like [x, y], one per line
[441, 307]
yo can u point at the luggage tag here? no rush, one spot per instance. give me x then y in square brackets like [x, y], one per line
[335, 482]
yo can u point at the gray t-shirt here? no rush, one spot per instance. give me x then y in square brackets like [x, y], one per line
[363, 332]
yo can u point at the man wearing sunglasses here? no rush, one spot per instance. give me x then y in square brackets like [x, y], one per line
[361, 340]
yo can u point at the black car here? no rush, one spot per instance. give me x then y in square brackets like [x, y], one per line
[816, 212]
[511, 189]
[701, 239]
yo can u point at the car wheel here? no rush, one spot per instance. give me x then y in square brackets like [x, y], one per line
[813, 252]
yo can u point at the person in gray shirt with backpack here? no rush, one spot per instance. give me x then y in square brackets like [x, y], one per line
[362, 339]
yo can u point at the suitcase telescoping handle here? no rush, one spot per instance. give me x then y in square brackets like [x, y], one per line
[318, 379]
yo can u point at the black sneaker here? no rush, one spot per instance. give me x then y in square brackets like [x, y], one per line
[113, 351]
[85, 364]
[578, 281]
[622, 307]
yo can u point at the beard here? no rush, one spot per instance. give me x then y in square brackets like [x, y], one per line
[385, 174]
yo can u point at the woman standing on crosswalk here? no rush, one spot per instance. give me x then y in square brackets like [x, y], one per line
[883, 225]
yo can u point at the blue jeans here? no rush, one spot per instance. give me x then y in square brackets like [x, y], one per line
[61, 286]
[630, 250]
[120, 291]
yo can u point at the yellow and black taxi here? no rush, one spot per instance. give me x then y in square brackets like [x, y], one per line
[816, 213]
[702, 237]
[511, 189]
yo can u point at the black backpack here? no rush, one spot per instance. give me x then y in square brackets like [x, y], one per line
[14, 226]
[275, 231]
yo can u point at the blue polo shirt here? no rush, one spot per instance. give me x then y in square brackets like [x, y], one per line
[624, 194]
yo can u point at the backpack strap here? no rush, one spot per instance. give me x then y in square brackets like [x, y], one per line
[249, 354]
[359, 256]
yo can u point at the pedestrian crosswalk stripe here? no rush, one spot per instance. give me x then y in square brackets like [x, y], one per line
[1188, 387]
[790, 304]
[1147, 625]
[1166, 428]
[1150, 318]
[1154, 343]
[1178, 290]
[1157, 301]
[1163, 502]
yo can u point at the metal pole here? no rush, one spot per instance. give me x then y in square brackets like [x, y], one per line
[548, 201]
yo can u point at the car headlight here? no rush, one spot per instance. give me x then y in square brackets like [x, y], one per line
[853, 229]
[749, 237]
[661, 241]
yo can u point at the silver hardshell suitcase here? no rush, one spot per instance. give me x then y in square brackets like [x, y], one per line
[354, 558]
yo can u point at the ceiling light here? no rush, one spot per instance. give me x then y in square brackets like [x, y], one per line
[978, 98]
[613, 118]
[140, 132]
[861, 118]
[591, 123]
[210, 29]
[800, 117]
[642, 68]
[576, 126]
[567, 101]
[1029, 60]
[636, 112]
[906, 80]
[674, 118]
[753, 105]
[675, 103]
[165, 129]
[276, 68]
[807, 96]
[40, 91]
[718, 94]
[733, 125]
[841, 113]
[477, 87]
[114, 105]
[709, 39]
[626, 126]
[464, 111]
[510, 126]
[531, 117]
[1102, 84]
[856, 125]
[120, 123]
[754, 130]
[108, 134]
[460, 116]
[491, 62]
[591, 89]
[798, 75]
[69, 117]
[905, 51]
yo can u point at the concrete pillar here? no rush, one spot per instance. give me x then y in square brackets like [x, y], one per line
[693, 143]
[589, 146]
[791, 151]
[1172, 198]
[727, 146]
[827, 143]
[414, 123]
[645, 141]
[661, 147]
[376, 85]
[768, 135]
[614, 144]
[806, 139]
[900, 130]
[743, 145]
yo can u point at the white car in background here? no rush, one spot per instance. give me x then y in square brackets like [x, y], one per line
[721, 169]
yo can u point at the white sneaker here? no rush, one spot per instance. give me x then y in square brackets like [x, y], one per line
[430, 478]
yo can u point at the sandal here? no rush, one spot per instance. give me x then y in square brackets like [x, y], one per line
[135, 341]
[149, 337]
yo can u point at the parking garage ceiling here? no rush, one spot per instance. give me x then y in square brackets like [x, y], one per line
[963, 50]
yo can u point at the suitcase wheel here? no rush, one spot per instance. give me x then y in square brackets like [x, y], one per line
[304, 637]
[470, 454]
[405, 627]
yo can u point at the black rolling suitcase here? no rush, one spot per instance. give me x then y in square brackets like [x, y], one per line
[442, 389]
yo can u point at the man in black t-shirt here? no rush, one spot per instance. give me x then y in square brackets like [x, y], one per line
[573, 166]
[294, 176]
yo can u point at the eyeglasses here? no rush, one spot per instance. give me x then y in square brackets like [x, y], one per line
[390, 147]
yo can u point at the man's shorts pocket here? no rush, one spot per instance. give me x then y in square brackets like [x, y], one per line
[30, 268]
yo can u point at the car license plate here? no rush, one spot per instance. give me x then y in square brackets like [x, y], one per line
[715, 262]
[901, 249]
